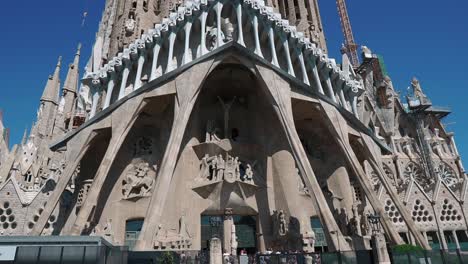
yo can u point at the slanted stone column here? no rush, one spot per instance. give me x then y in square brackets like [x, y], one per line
[126, 71]
[110, 88]
[240, 38]
[454, 233]
[354, 107]
[455, 149]
[344, 103]
[227, 227]
[380, 251]
[218, 8]
[318, 83]
[258, 49]
[216, 255]
[154, 65]
[285, 41]
[96, 91]
[271, 37]
[188, 28]
[170, 54]
[62, 183]
[305, 78]
[326, 74]
[203, 17]
[141, 61]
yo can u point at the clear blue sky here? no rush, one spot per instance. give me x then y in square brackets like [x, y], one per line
[428, 39]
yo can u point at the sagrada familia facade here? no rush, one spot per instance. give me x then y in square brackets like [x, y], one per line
[227, 118]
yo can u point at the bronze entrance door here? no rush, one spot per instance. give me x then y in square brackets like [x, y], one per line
[245, 228]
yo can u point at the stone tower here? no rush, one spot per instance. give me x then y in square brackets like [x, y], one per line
[49, 102]
[3, 140]
[69, 94]
[305, 15]
[225, 114]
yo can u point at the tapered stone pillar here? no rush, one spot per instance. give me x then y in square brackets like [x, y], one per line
[227, 227]
[379, 249]
[216, 256]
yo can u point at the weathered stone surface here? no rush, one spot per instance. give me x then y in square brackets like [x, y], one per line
[192, 124]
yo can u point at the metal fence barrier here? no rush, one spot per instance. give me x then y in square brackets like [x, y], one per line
[91, 254]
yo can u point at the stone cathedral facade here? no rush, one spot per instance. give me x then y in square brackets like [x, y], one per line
[227, 118]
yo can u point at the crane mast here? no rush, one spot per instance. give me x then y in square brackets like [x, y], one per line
[350, 47]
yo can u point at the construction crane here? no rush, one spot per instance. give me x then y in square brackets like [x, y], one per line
[350, 47]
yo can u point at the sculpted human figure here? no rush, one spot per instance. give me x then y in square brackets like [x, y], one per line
[354, 224]
[283, 226]
[343, 218]
[417, 90]
[237, 168]
[226, 108]
[214, 168]
[211, 132]
[220, 168]
[137, 181]
[205, 167]
[249, 173]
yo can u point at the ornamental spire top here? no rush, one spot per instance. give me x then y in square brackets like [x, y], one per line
[51, 91]
[71, 82]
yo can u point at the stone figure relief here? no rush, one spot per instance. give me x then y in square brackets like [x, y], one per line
[226, 109]
[138, 182]
[438, 145]
[130, 24]
[234, 242]
[408, 146]
[354, 225]
[104, 230]
[308, 241]
[230, 169]
[165, 239]
[212, 132]
[375, 181]
[228, 27]
[417, 90]
[385, 93]
[280, 224]
[342, 219]
[212, 37]
[72, 183]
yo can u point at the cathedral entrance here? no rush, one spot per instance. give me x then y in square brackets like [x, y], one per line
[237, 232]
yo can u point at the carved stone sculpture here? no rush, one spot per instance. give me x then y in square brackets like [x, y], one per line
[212, 132]
[280, 224]
[229, 169]
[137, 182]
[130, 25]
[417, 90]
[354, 225]
[169, 239]
[308, 241]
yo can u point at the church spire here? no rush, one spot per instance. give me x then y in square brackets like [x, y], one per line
[71, 82]
[25, 137]
[69, 94]
[51, 91]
